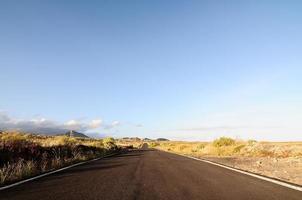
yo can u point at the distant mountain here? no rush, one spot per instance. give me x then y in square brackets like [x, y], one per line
[75, 134]
[131, 138]
[162, 139]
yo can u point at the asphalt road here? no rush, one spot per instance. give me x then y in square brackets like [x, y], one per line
[149, 174]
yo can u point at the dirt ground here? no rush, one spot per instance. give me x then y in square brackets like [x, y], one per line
[286, 169]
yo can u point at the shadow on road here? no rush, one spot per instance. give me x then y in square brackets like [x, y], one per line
[100, 165]
[128, 155]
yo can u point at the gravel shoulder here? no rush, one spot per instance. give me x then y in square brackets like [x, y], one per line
[286, 169]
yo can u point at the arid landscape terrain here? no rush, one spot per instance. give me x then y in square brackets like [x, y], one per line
[150, 100]
[281, 160]
[143, 168]
[25, 155]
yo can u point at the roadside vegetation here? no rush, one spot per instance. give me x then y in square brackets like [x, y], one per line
[25, 155]
[282, 160]
[225, 146]
[129, 142]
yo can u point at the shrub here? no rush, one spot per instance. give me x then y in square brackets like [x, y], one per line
[251, 142]
[238, 148]
[181, 147]
[153, 144]
[223, 141]
[200, 146]
[109, 143]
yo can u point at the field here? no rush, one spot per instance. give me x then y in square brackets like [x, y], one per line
[281, 160]
[24, 155]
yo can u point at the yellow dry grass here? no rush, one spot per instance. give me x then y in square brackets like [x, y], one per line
[48, 141]
[234, 148]
[24, 155]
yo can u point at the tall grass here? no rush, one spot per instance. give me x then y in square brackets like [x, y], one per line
[25, 155]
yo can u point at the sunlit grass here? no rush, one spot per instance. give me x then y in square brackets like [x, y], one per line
[24, 155]
[230, 147]
[281, 160]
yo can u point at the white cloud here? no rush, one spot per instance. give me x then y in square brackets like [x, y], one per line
[96, 123]
[112, 125]
[43, 125]
[115, 123]
[74, 125]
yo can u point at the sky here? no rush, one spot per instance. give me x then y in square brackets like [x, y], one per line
[183, 70]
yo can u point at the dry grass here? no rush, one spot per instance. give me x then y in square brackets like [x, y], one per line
[134, 143]
[230, 147]
[24, 155]
[282, 160]
[48, 141]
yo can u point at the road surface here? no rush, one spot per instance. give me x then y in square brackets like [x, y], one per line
[149, 174]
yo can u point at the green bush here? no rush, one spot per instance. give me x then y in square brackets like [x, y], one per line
[223, 141]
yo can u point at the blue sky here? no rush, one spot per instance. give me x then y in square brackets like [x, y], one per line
[185, 70]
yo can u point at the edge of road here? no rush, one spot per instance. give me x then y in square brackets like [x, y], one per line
[265, 178]
[53, 172]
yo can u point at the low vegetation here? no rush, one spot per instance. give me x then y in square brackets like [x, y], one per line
[225, 146]
[282, 160]
[24, 155]
[133, 142]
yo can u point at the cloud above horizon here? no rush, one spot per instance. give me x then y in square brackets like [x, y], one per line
[112, 125]
[46, 126]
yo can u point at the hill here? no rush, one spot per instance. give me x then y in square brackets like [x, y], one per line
[73, 133]
[162, 139]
